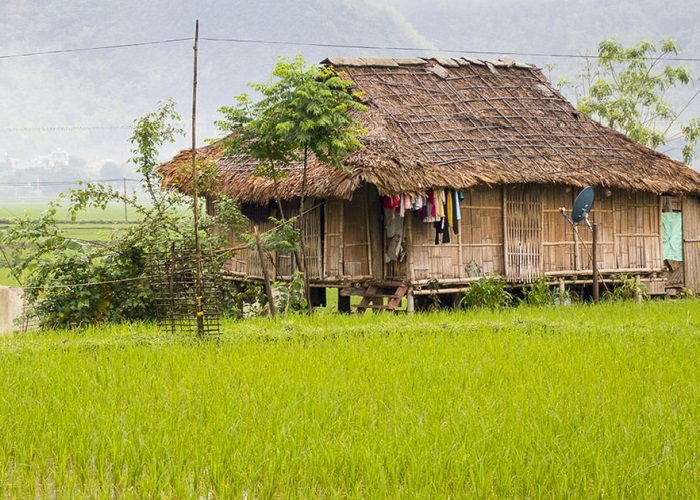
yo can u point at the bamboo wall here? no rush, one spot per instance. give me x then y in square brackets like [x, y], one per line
[567, 248]
[481, 231]
[333, 250]
[516, 231]
[691, 242]
[519, 231]
[637, 230]
[347, 238]
[475, 251]
[356, 254]
[245, 262]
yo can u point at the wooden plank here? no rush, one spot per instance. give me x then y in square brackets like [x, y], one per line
[691, 245]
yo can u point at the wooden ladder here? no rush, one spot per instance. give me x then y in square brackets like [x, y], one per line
[373, 298]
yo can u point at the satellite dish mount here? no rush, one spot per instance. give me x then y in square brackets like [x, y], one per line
[579, 212]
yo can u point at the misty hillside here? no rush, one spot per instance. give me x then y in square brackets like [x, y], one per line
[104, 90]
[84, 101]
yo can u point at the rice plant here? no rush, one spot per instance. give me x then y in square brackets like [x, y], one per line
[576, 402]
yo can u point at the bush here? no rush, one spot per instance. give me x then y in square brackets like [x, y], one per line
[71, 282]
[626, 288]
[489, 292]
[538, 293]
[289, 296]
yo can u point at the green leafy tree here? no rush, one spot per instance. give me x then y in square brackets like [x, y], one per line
[627, 90]
[303, 111]
[70, 282]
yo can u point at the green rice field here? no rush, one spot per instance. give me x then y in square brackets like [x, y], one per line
[92, 224]
[571, 402]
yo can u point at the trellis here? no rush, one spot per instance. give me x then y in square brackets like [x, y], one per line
[177, 306]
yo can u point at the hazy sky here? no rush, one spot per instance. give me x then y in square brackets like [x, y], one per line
[74, 94]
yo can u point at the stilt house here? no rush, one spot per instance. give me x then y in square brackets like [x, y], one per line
[465, 167]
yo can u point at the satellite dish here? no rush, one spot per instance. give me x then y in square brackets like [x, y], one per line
[582, 205]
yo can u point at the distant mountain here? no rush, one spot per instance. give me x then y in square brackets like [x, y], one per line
[84, 101]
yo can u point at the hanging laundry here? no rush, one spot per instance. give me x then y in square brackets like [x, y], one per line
[456, 213]
[449, 209]
[440, 202]
[395, 233]
[441, 230]
[391, 202]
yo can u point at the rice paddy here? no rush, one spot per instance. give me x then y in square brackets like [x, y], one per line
[579, 401]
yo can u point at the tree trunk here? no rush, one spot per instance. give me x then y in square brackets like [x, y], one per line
[266, 278]
[302, 246]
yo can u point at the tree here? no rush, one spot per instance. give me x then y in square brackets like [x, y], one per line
[303, 111]
[72, 282]
[627, 91]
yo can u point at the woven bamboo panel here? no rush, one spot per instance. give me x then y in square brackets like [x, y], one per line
[603, 214]
[355, 238]
[237, 263]
[431, 261]
[334, 239]
[482, 232]
[523, 239]
[312, 240]
[637, 230]
[558, 243]
[691, 242]
[253, 265]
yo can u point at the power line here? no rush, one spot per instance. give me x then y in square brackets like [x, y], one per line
[66, 183]
[88, 49]
[77, 128]
[84, 128]
[323, 45]
[419, 49]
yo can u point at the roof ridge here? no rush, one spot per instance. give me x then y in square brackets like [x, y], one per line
[505, 61]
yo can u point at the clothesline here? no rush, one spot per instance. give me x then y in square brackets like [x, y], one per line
[437, 206]
[430, 206]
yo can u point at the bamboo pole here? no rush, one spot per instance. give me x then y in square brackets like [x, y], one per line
[410, 303]
[266, 276]
[342, 239]
[195, 195]
[596, 289]
[506, 235]
[370, 261]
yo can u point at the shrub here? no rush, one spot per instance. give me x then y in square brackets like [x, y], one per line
[489, 292]
[289, 296]
[626, 288]
[538, 292]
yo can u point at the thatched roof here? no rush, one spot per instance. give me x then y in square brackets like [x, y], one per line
[458, 123]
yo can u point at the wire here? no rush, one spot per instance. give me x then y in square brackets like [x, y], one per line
[65, 183]
[83, 128]
[325, 45]
[100, 47]
[419, 49]
[76, 128]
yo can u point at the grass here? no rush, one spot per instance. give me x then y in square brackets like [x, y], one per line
[575, 402]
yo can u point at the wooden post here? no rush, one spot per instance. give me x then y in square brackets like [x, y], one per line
[410, 305]
[410, 302]
[266, 277]
[342, 239]
[596, 291]
[195, 199]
